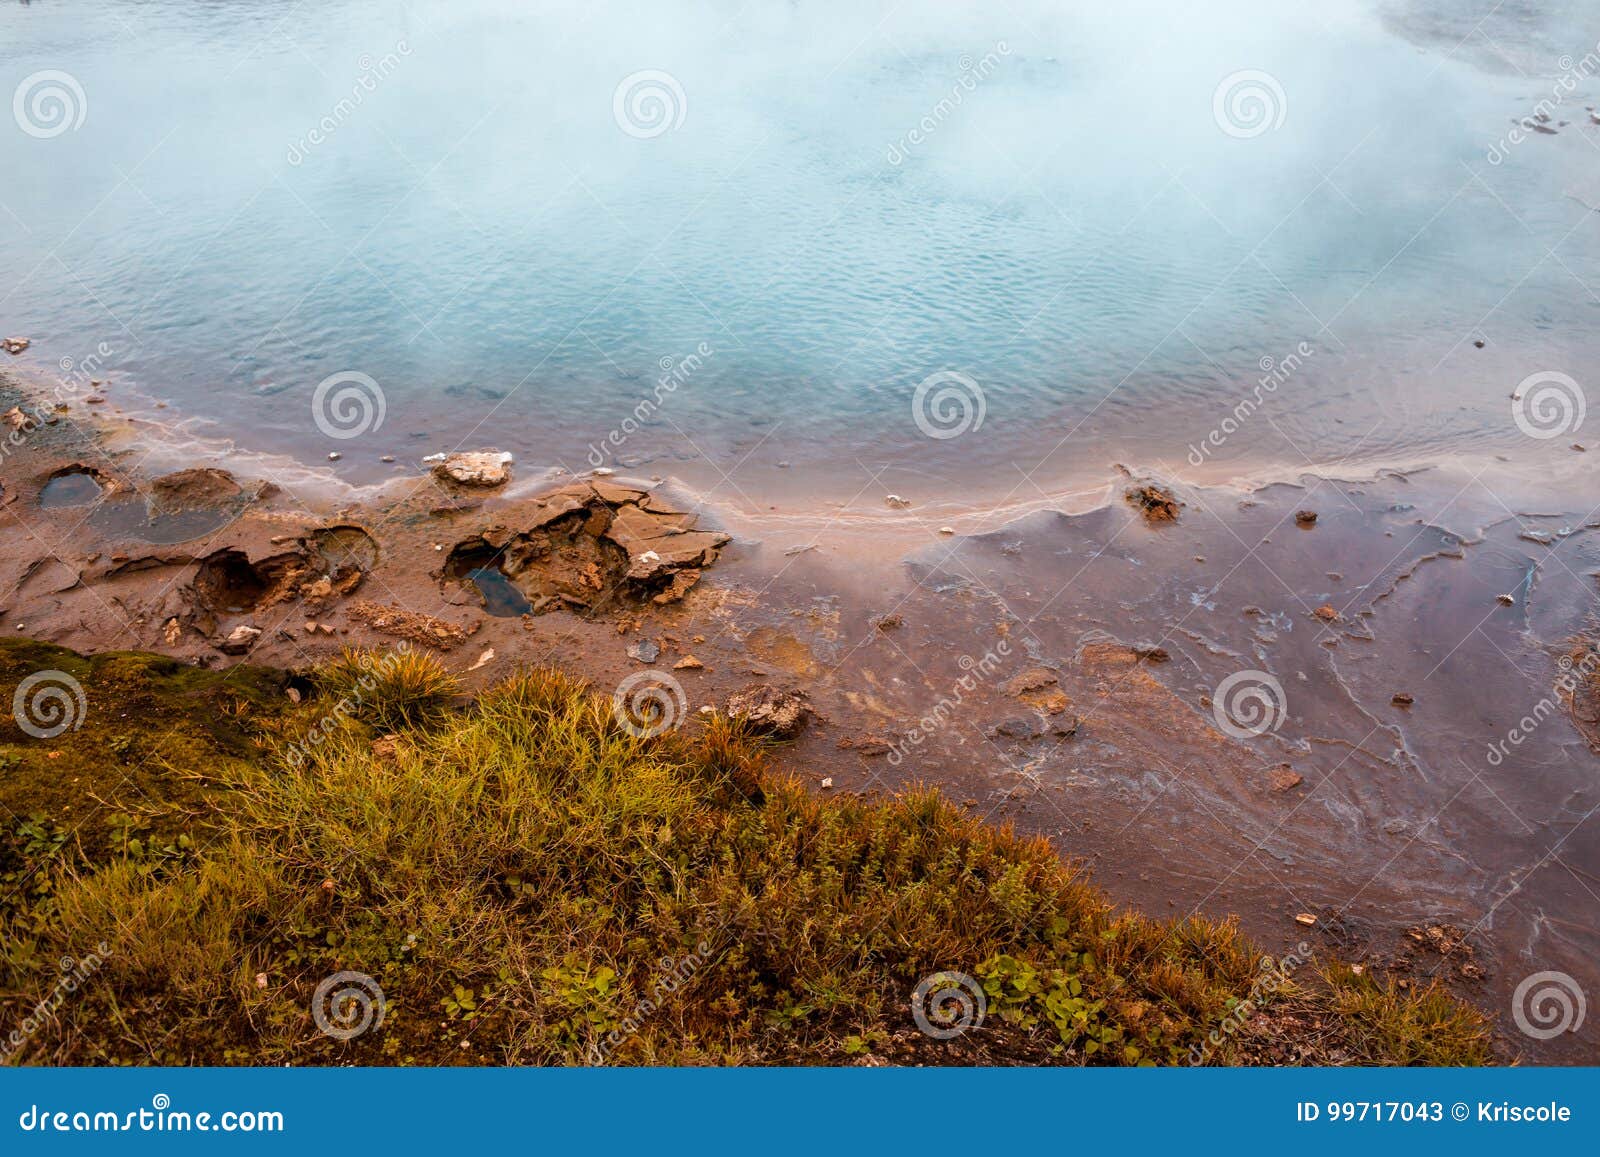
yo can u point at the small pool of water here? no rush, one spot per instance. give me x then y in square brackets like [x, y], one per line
[501, 597]
[74, 489]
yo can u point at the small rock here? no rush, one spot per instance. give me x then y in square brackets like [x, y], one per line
[1305, 517]
[1477, 343]
[333, 455]
[889, 622]
[15, 345]
[896, 502]
[1306, 919]
[947, 531]
[483, 660]
[293, 693]
[1284, 778]
[240, 640]
[604, 472]
[473, 468]
[1327, 613]
[868, 745]
[1018, 727]
[1151, 653]
[645, 651]
[768, 709]
[1505, 600]
[261, 980]
[688, 663]
[827, 781]
[1033, 679]
[387, 458]
[1402, 699]
[1156, 503]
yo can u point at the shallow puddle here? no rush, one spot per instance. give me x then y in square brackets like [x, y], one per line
[73, 489]
[501, 598]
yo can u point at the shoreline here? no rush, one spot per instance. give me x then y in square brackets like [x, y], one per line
[1095, 727]
[793, 507]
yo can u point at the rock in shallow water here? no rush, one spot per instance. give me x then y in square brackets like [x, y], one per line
[769, 709]
[473, 468]
[645, 651]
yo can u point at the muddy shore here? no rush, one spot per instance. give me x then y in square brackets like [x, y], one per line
[1065, 672]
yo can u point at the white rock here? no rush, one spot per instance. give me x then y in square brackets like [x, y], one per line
[240, 639]
[473, 468]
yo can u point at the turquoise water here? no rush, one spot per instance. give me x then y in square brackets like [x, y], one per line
[816, 207]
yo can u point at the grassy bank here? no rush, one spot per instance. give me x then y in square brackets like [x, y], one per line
[527, 882]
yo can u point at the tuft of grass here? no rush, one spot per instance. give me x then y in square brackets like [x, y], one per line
[527, 882]
[391, 689]
[1389, 1026]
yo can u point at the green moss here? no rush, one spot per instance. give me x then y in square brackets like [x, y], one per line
[528, 882]
[150, 738]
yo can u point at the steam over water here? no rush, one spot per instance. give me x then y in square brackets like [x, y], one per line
[702, 239]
